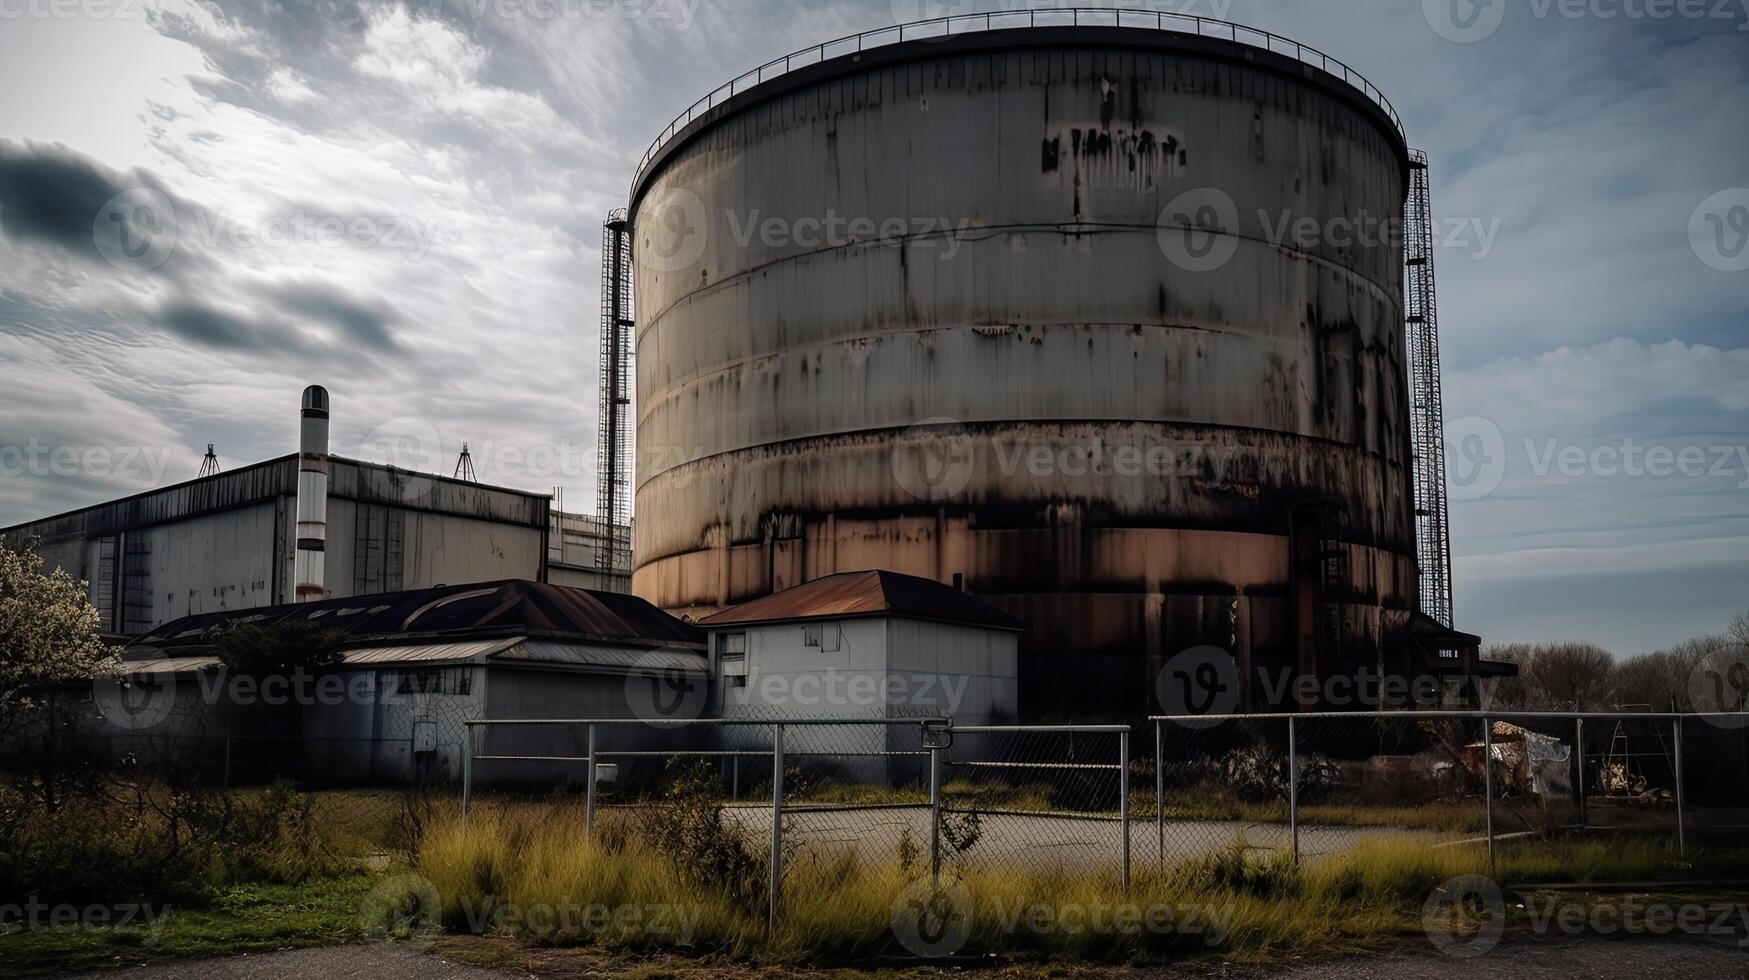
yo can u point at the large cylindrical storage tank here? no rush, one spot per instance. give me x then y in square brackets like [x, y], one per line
[933, 307]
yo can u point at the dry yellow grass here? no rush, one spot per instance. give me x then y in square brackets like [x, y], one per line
[1232, 903]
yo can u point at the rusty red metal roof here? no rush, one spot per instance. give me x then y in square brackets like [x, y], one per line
[513, 607]
[875, 592]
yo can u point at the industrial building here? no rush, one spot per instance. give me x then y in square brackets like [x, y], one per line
[859, 401]
[415, 666]
[229, 540]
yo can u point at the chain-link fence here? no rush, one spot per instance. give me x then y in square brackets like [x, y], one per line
[770, 797]
[1027, 798]
[1318, 783]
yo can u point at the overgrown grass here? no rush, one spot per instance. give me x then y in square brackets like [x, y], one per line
[147, 842]
[236, 919]
[144, 871]
[490, 872]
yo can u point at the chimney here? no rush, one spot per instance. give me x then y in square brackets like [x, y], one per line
[312, 534]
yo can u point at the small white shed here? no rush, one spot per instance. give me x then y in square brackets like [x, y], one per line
[870, 644]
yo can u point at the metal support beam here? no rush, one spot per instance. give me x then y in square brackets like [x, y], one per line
[1293, 786]
[1681, 830]
[1160, 790]
[1123, 801]
[1488, 781]
[776, 820]
[467, 768]
[589, 793]
[1579, 749]
[935, 815]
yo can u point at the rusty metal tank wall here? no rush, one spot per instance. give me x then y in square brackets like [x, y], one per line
[1014, 307]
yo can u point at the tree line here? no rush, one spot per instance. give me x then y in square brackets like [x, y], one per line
[1707, 673]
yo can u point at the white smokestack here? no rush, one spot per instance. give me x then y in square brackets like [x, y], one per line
[309, 568]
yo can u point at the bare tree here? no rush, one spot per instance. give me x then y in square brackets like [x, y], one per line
[1662, 680]
[1555, 677]
[1720, 679]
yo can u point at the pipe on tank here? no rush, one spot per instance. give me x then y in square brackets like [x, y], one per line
[309, 567]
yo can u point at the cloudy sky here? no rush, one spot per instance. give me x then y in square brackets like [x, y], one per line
[402, 201]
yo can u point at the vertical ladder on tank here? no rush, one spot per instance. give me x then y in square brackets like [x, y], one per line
[1332, 578]
[1427, 411]
[614, 454]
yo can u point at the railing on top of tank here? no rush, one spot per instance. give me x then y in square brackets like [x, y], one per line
[942, 27]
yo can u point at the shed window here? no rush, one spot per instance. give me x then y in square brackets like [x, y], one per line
[732, 653]
[434, 680]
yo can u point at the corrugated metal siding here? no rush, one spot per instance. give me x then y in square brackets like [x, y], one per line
[373, 483]
[235, 488]
[514, 648]
[547, 651]
[429, 652]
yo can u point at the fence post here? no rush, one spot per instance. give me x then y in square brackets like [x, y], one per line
[1293, 786]
[1123, 799]
[467, 767]
[589, 789]
[1488, 781]
[1579, 747]
[935, 815]
[776, 819]
[1160, 789]
[1681, 832]
[735, 777]
[227, 775]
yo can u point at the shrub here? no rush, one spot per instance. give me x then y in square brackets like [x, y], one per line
[688, 825]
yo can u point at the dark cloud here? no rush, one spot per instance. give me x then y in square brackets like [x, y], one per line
[362, 323]
[215, 328]
[51, 195]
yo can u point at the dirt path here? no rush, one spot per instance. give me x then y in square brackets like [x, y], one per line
[1585, 958]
